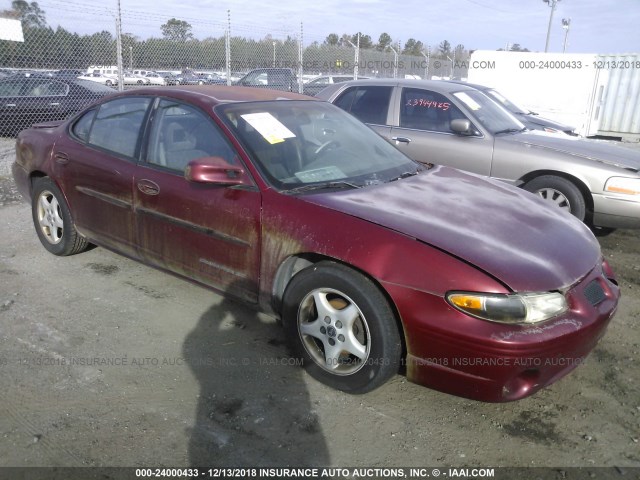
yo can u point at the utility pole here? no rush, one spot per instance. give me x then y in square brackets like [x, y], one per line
[119, 49]
[274, 54]
[227, 48]
[566, 23]
[552, 4]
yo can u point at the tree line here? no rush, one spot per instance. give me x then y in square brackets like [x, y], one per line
[177, 48]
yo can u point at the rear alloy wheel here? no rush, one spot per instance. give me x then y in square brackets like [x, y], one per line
[560, 192]
[342, 327]
[52, 220]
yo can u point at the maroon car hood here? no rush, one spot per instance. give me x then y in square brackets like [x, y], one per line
[507, 232]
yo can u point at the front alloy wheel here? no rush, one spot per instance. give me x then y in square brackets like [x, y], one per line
[334, 331]
[342, 327]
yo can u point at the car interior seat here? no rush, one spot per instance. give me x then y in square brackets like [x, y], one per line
[179, 146]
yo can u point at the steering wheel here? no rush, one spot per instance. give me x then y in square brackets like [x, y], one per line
[326, 146]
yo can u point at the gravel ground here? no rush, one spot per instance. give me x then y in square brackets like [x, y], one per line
[105, 362]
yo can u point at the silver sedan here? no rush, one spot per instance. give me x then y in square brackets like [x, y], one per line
[456, 125]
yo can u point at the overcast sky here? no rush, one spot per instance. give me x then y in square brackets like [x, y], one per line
[597, 26]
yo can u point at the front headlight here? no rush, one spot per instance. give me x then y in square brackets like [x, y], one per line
[513, 308]
[627, 186]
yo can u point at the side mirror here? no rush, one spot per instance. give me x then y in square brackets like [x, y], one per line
[461, 126]
[214, 170]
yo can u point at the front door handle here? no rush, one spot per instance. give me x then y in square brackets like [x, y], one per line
[398, 140]
[148, 187]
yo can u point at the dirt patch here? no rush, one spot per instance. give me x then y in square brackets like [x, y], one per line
[102, 269]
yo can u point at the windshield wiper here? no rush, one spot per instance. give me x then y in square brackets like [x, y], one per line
[321, 186]
[510, 130]
[405, 175]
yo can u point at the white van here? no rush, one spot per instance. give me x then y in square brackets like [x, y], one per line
[111, 70]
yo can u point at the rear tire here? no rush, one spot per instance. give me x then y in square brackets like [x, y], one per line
[560, 192]
[52, 220]
[342, 327]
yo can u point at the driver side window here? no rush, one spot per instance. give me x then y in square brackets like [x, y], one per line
[426, 110]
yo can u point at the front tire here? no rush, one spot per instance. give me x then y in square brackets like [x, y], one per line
[52, 220]
[342, 327]
[560, 192]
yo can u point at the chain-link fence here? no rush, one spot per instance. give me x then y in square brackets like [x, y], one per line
[55, 72]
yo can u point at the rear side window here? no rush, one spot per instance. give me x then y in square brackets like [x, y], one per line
[369, 104]
[47, 88]
[117, 124]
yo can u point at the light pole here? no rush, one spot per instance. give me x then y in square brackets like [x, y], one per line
[426, 68]
[395, 61]
[552, 4]
[566, 23]
[274, 54]
[357, 56]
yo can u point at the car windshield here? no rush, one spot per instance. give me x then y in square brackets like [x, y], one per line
[488, 113]
[303, 146]
[506, 103]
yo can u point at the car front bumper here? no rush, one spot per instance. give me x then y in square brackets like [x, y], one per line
[615, 212]
[495, 362]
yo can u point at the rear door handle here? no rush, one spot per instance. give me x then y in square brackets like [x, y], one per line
[401, 140]
[148, 187]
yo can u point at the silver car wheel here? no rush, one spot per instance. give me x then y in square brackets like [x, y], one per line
[50, 217]
[334, 331]
[556, 197]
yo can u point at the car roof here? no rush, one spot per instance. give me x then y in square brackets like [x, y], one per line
[477, 86]
[217, 94]
[435, 85]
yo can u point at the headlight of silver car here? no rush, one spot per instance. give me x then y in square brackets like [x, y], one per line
[624, 185]
[524, 308]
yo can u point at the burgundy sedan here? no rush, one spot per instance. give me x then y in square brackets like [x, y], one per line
[374, 262]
